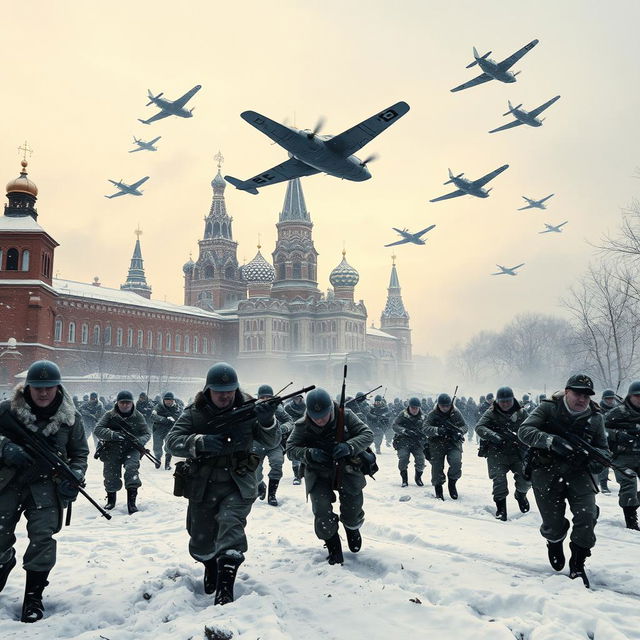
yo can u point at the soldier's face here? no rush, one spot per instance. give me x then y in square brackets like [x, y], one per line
[635, 401]
[577, 400]
[444, 408]
[169, 402]
[125, 406]
[414, 410]
[42, 396]
[321, 422]
[505, 405]
[222, 399]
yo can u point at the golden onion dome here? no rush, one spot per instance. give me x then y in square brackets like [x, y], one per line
[22, 184]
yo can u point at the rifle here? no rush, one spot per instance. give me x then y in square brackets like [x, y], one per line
[339, 464]
[453, 432]
[582, 446]
[363, 396]
[38, 448]
[130, 439]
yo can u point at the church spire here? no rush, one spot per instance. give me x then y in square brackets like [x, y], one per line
[136, 280]
[218, 222]
[394, 312]
[294, 207]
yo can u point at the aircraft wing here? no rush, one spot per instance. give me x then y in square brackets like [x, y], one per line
[134, 150]
[393, 244]
[158, 116]
[349, 141]
[453, 194]
[546, 231]
[536, 112]
[135, 185]
[180, 102]
[529, 206]
[517, 267]
[115, 195]
[545, 199]
[480, 182]
[272, 129]
[507, 63]
[424, 230]
[155, 140]
[288, 170]
[481, 79]
[509, 125]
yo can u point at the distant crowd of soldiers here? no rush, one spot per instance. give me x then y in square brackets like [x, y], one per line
[562, 447]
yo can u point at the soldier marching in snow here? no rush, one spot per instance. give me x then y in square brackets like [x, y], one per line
[379, 419]
[313, 442]
[608, 401]
[91, 411]
[296, 409]
[43, 408]
[118, 450]
[219, 477]
[499, 444]
[445, 428]
[561, 472]
[623, 428]
[409, 440]
[163, 417]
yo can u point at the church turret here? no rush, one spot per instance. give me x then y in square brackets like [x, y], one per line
[343, 279]
[136, 280]
[295, 257]
[395, 319]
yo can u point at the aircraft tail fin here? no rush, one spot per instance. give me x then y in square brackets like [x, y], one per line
[153, 98]
[240, 184]
[143, 121]
[450, 180]
[476, 58]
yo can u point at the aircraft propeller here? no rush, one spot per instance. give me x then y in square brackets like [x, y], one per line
[367, 160]
[316, 130]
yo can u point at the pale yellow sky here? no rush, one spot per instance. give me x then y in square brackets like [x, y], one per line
[75, 75]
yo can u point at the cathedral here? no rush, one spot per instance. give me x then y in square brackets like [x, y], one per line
[266, 318]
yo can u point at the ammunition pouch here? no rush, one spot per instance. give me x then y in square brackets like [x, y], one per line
[368, 464]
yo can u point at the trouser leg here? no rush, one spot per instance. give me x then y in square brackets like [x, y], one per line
[351, 511]
[582, 502]
[159, 434]
[418, 457]
[377, 439]
[550, 496]
[454, 458]
[437, 465]
[112, 474]
[403, 457]
[276, 460]
[498, 475]
[628, 494]
[132, 470]
[325, 520]
[10, 511]
[42, 524]
[522, 485]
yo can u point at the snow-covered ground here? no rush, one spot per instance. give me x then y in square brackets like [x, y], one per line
[427, 569]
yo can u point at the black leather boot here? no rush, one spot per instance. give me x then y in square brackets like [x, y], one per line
[523, 503]
[405, 478]
[273, 487]
[210, 575]
[453, 492]
[167, 462]
[555, 552]
[262, 491]
[576, 563]
[32, 607]
[334, 547]
[631, 518]
[227, 571]
[418, 479]
[132, 494]
[354, 539]
[5, 569]
[111, 500]
[501, 509]
[438, 489]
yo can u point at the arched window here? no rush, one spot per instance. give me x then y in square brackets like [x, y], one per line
[168, 341]
[196, 274]
[216, 229]
[159, 341]
[71, 336]
[205, 345]
[261, 324]
[129, 337]
[84, 333]
[107, 336]
[207, 230]
[25, 260]
[149, 339]
[119, 337]
[230, 273]
[96, 334]
[187, 345]
[12, 259]
[140, 338]
[208, 271]
[57, 335]
[178, 342]
[282, 272]
[0, 259]
[195, 344]
[297, 271]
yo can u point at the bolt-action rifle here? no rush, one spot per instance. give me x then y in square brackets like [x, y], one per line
[362, 397]
[339, 464]
[130, 439]
[452, 431]
[582, 446]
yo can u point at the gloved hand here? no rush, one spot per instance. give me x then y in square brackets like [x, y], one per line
[15, 456]
[69, 490]
[117, 437]
[341, 450]
[494, 437]
[170, 419]
[212, 444]
[318, 455]
[264, 413]
[561, 447]
[595, 467]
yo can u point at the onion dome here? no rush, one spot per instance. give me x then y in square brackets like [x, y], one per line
[187, 267]
[344, 275]
[22, 184]
[258, 270]
[218, 182]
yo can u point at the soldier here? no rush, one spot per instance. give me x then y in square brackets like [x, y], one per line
[145, 407]
[471, 417]
[499, 444]
[561, 474]
[623, 427]
[313, 442]
[91, 411]
[445, 428]
[163, 417]
[379, 420]
[116, 450]
[219, 476]
[296, 409]
[608, 401]
[359, 406]
[527, 403]
[274, 454]
[410, 438]
[44, 407]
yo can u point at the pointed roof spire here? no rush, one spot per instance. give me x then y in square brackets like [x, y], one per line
[294, 207]
[395, 306]
[394, 283]
[136, 280]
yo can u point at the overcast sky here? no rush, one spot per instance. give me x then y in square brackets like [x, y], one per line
[75, 76]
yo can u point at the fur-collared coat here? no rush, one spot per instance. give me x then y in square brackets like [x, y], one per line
[64, 433]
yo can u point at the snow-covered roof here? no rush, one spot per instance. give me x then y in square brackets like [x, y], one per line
[372, 331]
[19, 223]
[118, 296]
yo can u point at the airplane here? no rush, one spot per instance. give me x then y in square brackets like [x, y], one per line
[535, 204]
[127, 189]
[511, 271]
[170, 107]
[311, 153]
[470, 187]
[407, 236]
[525, 117]
[492, 70]
[145, 146]
[551, 229]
